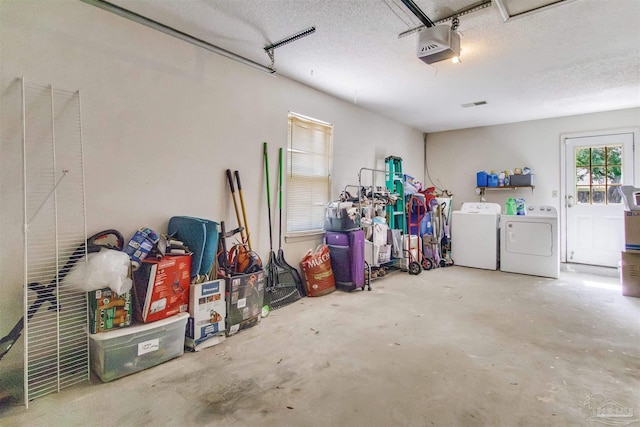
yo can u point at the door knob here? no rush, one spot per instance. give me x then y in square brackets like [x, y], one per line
[570, 201]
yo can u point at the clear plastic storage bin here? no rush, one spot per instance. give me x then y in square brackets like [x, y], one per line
[117, 353]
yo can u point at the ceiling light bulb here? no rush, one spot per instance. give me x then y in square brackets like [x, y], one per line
[455, 59]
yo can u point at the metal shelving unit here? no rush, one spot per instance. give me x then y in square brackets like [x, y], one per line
[383, 199]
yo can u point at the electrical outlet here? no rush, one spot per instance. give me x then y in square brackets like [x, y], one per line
[554, 194]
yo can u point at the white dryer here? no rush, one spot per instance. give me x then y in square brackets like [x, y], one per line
[529, 244]
[475, 235]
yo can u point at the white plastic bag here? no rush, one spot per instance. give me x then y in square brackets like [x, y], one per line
[107, 268]
[380, 234]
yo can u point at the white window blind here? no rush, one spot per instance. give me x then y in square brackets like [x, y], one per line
[308, 174]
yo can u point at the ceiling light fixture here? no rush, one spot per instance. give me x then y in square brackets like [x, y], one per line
[270, 48]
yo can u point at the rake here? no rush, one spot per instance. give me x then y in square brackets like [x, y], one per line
[281, 287]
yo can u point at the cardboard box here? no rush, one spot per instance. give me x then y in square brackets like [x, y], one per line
[244, 297]
[108, 310]
[632, 230]
[161, 287]
[411, 245]
[630, 275]
[121, 352]
[207, 312]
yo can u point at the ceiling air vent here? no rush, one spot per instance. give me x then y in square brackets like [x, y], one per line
[438, 43]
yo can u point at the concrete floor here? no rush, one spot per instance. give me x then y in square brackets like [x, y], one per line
[451, 347]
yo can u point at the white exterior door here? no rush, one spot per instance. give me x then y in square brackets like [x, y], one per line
[595, 167]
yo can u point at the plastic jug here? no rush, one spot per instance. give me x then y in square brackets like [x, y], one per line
[481, 179]
[510, 206]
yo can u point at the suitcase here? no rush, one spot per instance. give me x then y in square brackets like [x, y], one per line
[347, 258]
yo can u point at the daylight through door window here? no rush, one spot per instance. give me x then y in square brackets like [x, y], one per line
[598, 174]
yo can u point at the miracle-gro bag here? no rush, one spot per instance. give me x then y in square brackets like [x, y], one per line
[318, 276]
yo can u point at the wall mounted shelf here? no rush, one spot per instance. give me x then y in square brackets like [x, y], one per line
[481, 190]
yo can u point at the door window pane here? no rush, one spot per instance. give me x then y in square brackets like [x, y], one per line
[598, 195]
[614, 175]
[598, 174]
[582, 176]
[598, 156]
[613, 195]
[584, 195]
[614, 155]
[583, 157]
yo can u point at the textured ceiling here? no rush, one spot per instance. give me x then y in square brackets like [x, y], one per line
[570, 58]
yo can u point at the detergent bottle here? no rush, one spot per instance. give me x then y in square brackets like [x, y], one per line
[510, 206]
[520, 207]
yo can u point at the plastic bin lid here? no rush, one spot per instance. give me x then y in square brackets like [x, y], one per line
[129, 330]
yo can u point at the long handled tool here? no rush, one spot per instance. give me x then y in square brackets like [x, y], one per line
[271, 277]
[222, 260]
[281, 261]
[244, 212]
[235, 204]
[280, 283]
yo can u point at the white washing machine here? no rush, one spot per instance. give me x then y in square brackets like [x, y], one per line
[529, 244]
[475, 235]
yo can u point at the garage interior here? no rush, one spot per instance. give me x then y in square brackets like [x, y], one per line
[164, 117]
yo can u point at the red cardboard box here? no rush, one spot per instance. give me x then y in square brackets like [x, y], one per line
[161, 287]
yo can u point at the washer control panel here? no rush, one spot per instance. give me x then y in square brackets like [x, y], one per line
[481, 208]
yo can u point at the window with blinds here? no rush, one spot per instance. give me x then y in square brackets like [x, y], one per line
[308, 174]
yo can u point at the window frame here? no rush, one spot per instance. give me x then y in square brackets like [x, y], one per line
[606, 165]
[296, 122]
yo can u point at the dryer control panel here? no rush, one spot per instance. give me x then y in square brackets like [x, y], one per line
[542, 210]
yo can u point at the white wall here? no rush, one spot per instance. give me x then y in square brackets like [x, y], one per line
[454, 157]
[162, 121]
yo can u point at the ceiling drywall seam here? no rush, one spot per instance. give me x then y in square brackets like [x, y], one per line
[125, 13]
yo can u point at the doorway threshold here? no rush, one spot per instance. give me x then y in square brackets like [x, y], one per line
[590, 269]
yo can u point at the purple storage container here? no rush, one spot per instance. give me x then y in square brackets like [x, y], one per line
[347, 258]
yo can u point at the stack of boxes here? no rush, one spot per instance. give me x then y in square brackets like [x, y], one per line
[165, 313]
[158, 301]
[630, 265]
